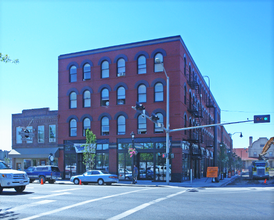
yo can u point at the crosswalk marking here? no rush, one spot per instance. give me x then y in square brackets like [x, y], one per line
[140, 207]
[50, 195]
[64, 190]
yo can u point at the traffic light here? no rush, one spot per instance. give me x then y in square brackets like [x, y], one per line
[261, 118]
[164, 155]
[154, 118]
[26, 131]
[139, 106]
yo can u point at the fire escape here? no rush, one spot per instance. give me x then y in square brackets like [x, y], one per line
[194, 107]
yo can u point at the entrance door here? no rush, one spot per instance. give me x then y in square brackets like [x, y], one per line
[146, 166]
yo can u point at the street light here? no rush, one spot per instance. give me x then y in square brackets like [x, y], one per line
[133, 157]
[241, 135]
[158, 61]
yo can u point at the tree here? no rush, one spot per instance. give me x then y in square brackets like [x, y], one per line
[7, 59]
[89, 150]
[222, 157]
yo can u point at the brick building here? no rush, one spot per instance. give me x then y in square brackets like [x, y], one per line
[42, 128]
[97, 89]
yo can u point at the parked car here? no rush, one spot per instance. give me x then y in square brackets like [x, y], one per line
[95, 176]
[12, 178]
[44, 173]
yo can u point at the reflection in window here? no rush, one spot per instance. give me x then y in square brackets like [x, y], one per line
[142, 93]
[86, 125]
[73, 128]
[105, 69]
[142, 65]
[87, 100]
[105, 97]
[159, 92]
[142, 125]
[73, 74]
[105, 126]
[121, 121]
[73, 100]
[121, 96]
[158, 67]
[87, 73]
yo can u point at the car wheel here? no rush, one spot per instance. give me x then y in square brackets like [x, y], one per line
[76, 181]
[31, 180]
[51, 181]
[19, 189]
[42, 178]
[108, 184]
[100, 182]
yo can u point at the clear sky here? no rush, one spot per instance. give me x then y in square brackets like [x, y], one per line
[231, 42]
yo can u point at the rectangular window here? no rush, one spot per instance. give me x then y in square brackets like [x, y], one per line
[18, 136]
[52, 133]
[41, 134]
[29, 139]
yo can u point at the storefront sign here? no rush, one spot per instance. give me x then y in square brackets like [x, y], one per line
[212, 172]
[79, 148]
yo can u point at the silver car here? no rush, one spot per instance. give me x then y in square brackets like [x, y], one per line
[95, 176]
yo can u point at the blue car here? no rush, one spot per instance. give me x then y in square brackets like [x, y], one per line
[95, 176]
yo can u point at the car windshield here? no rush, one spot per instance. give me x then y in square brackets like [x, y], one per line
[55, 169]
[3, 165]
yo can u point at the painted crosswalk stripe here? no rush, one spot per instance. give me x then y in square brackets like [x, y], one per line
[27, 206]
[140, 207]
[64, 190]
[50, 195]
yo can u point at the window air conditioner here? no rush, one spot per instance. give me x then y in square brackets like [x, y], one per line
[121, 74]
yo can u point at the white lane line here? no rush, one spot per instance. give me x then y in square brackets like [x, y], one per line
[79, 204]
[29, 205]
[140, 207]
[51, 195]
[64, 190]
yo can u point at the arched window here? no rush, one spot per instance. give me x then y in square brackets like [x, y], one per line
[105, 126]
[184, 94]
[184, 65]
[121, 125]
[142, 93]
[72, 128]
[142, 125]
[87, 73]
[159, 92]
[159, 129]
[158, 67]
[105, 97]
[73, 74]
[86, 125]
[142, 66]
[73, 100]
[121, 67]
[121, 96]
[105, 69]
[87, 100]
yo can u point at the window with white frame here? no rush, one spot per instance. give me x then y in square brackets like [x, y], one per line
[73, 128]
[41, 134]
[121, 67]
[105, 69]
[159, 129]
[87, 100]
[52, 133]
[87, 72]
[73, 74]
[121, 95]
[105, 126]
[159, 92]
[142, 66]
[142, 93]
[121, 125]
[73, 100]
[158, 67]
[105, 97]
[86, 125]
[142, 125]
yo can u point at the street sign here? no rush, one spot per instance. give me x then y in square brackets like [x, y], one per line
[212, 172]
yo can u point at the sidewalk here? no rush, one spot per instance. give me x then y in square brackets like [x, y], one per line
[203, 182]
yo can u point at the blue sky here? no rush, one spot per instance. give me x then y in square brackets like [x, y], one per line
[230, 41]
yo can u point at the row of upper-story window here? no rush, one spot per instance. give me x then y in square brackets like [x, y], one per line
[120, 88]
[120, 61]
[120, 118]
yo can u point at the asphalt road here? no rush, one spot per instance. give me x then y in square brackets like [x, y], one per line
[54, 201]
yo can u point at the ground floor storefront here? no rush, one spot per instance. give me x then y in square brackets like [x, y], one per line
[115, 158]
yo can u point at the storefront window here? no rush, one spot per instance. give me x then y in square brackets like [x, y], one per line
[124, 166]
[102, 161]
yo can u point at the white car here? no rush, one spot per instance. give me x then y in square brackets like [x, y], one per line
[12, 178]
